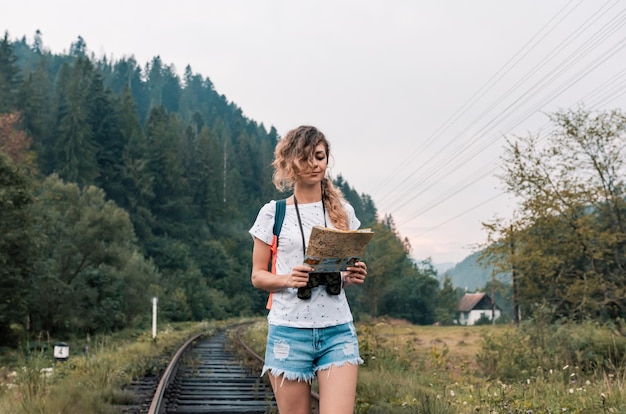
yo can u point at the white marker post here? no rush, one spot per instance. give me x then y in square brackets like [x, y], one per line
[155, 300]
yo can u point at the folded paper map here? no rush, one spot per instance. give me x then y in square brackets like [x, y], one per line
[332, 250]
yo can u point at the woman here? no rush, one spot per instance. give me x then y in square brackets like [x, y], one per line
[312, 337]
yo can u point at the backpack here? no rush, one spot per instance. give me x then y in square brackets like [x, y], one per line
[279, 217]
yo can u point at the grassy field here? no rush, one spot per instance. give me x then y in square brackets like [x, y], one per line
[446, 370]
[489, 369]
[537, 368]
[461, 343]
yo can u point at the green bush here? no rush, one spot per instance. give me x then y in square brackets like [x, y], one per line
[538, 346]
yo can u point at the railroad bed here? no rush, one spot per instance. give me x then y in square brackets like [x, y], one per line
[210, 378]
[206, 376]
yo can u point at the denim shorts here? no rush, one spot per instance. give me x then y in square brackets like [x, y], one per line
[299, 353]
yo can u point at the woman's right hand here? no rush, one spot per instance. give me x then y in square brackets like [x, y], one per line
[263, 279]
[299, 276]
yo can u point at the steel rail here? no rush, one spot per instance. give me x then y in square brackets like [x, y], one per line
[155, 406]
[169, 377]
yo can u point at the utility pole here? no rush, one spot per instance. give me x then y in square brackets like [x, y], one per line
[493, 297]
[516, 311]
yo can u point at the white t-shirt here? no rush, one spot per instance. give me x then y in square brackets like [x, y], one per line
[321, 310]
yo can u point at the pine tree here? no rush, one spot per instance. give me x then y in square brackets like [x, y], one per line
[34, 103]
[9, 76]
[170, 205]
[75, 146]
[107, 137]
[137, 184]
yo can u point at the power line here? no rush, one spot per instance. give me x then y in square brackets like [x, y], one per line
[460, 214]
[618, 91]
[577, 55]
[505, 69]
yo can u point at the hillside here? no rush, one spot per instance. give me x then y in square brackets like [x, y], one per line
[470, 275]
[124, 182]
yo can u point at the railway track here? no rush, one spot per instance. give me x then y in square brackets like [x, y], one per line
[207, 375]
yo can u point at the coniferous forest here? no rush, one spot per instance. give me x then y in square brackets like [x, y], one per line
[121, 181]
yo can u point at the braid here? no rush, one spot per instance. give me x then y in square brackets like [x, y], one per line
[333, 199]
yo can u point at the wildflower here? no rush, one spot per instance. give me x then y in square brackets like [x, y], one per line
[451, 393]
[571, 390]
[528, 381]
[587, 382]
[46, 372]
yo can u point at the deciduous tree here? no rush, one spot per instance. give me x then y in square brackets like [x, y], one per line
[568, 242]
[92, 276]
[17, 247]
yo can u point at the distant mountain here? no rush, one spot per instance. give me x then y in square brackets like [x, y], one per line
[469, 274]
[443, 267]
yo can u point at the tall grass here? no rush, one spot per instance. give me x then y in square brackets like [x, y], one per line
[93, 382]
[537, 367]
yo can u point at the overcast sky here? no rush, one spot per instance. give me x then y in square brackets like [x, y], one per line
[416, 97]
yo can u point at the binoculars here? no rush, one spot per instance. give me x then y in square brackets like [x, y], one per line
[332, 281]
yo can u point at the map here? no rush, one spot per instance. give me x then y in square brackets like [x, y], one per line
[332, 250]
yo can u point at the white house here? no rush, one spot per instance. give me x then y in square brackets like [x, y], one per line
[473, 306]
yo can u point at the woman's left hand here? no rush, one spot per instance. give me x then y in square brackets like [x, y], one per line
[356, 274]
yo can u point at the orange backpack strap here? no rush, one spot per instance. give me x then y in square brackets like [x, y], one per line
[278, 225]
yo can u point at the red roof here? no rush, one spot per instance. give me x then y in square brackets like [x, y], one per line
[469, 301]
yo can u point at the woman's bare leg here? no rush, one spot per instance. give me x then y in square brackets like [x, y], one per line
[292, 397]
[338, 389]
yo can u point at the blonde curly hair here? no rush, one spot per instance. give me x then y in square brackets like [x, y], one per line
[292, 152]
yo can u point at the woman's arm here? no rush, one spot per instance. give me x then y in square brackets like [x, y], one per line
[265, 280]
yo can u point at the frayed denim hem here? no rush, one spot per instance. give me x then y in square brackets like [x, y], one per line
[288, 375]
[354, 361]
